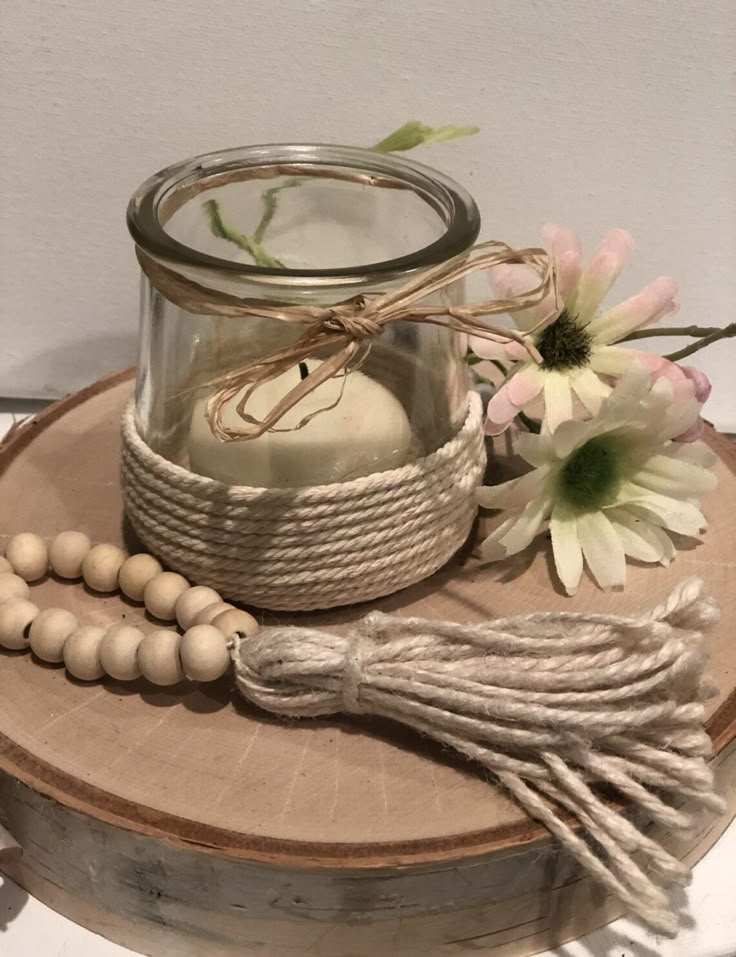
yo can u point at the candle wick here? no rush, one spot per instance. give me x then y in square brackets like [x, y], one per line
[303, 370]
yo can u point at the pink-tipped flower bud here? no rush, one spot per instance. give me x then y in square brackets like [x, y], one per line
[693, 433]
[700, 381]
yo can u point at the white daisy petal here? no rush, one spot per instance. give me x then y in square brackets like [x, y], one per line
[516, 493]
[678, 479]
[590, 389]
[697, 453]
[517, 532]
[602, 548]
[566, 549]
[668, 547]
[569, 435]
[678, 417]
[601, 272]
[564, 247]
[674, 514]
[501, 411]
[557, 400]
[488, 348]
[525, 385]
[654, 301]
[509, 280]
[610, 360]
[640, 540]
[537, 450]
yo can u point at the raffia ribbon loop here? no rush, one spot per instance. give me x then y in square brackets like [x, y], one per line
[549, 703]
[343, 331]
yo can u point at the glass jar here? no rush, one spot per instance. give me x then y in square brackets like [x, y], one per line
[300, 225]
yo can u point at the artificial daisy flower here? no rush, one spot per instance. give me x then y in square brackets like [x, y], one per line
[609, 487]
[577, 344]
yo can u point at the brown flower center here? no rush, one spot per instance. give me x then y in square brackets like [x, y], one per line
[564, 344]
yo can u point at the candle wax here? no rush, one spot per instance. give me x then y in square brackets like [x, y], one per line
[367, 431]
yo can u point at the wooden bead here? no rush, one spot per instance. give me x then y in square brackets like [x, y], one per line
[101, 565]
[5, 567]
[28, 555]
[158, 657]
[204, 654]
[162, 593]
[119, 650]
[192, 601]
[16, 616]
[66, 553]
[136, 573]
[212, 611]
[11, 586]
[49, 633]
[235, 620]
[82, 652]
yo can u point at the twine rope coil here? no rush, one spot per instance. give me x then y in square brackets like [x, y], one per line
[317, 547]
[552, 704]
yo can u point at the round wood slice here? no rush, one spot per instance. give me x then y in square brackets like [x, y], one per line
[183, 821]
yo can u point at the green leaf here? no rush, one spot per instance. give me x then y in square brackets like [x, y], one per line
[414, 133]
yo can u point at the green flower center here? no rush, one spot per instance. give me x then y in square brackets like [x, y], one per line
[564, 344]
[591, 476]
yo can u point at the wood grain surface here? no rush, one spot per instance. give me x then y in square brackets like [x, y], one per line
[195, 771]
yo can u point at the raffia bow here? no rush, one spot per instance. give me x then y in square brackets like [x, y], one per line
[344, 331]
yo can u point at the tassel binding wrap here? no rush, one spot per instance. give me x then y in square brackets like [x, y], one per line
[552, 704]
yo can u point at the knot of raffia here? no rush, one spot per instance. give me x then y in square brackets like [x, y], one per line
[341, 334]
[352, 318]
[552, 704]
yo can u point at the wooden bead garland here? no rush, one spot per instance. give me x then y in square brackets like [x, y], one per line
[210, 612]
[12, 586]
[136, 572]
[101, 567]
[82, 652]
[119, 652]
[158, 657]
[67, 552]
[235, 619]
[122, 651]
[49, 633]
[162, 593]
[190, 603]
[204, 656]
[28, 555]
[16, 616]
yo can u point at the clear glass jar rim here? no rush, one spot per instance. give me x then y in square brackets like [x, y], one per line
[456, 204]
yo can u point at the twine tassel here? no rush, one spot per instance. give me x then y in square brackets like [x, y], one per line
[552, 705]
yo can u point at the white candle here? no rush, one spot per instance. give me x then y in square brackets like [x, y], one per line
[367, 431]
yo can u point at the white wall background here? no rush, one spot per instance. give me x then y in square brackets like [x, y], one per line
[593, 114]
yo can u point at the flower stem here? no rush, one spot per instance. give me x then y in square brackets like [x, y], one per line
[696, 332]
[726, 333]
[221, 229]
[270, 204]
[531, 425]
[405, 138]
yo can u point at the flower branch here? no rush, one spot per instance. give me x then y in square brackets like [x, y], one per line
[725, 333]
[706, 334]
[249, 243]
[406, 137]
